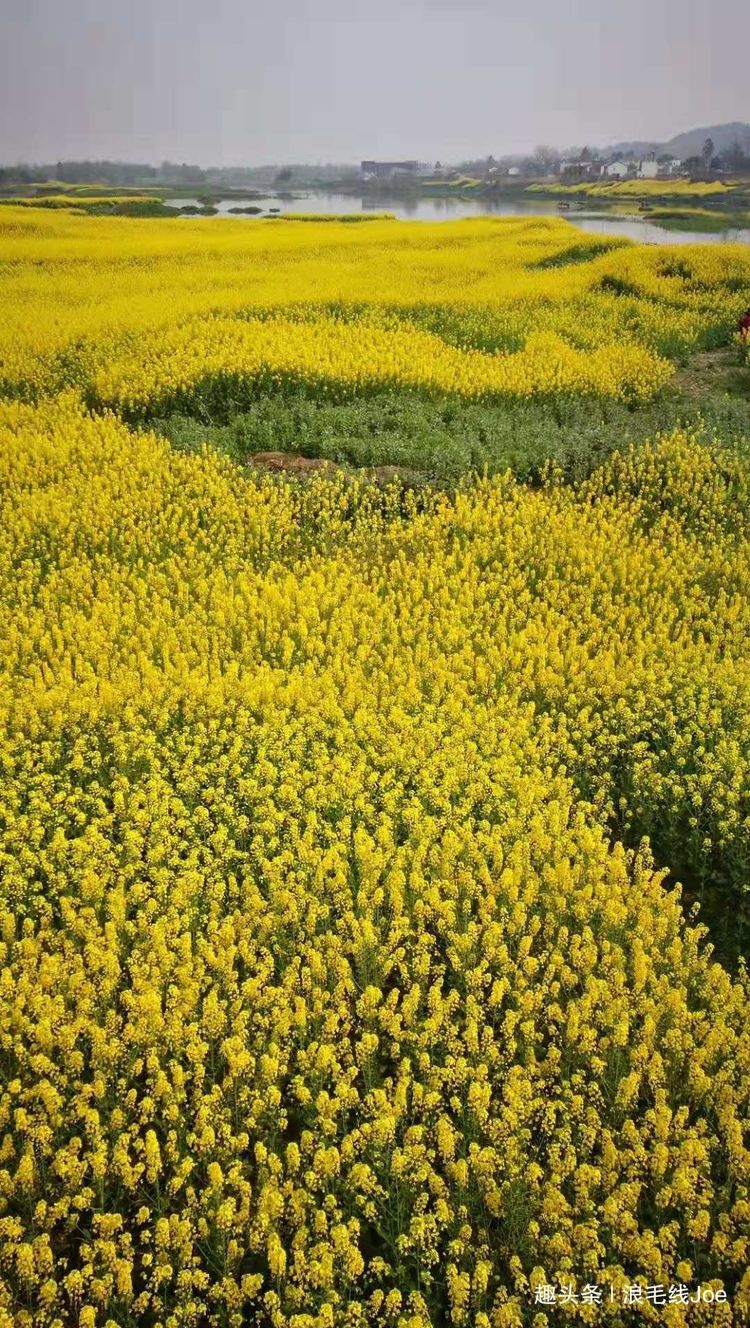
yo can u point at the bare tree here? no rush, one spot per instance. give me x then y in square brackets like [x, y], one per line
[545, 155]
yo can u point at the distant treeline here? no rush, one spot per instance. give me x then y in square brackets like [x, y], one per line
[168, 173]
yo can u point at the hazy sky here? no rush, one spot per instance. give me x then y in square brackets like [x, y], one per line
[243, 82]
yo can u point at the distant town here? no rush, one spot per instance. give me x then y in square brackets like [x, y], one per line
[725, 150]
[712, 152]
[585, 167]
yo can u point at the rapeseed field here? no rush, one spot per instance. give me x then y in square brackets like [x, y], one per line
[356, 841]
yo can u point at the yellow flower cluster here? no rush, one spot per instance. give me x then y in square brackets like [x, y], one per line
[639, 188]
[325, 1000]
[350, 356]
[75, 200]
[82, 293]
[332, 217]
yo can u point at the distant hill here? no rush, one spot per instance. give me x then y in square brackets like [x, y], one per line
[638, 147]
[690, 144]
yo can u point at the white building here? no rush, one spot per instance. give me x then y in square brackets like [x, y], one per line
[617, 170]
[648, 170]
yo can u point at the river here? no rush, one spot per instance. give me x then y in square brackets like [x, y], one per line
[641, 229]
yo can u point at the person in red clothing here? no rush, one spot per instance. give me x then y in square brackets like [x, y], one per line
[744, 325]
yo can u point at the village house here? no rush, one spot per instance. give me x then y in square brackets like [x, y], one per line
[586, 168]
[648, 170]
[387, 170]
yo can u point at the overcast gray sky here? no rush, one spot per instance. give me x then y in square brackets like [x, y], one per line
[244, 81]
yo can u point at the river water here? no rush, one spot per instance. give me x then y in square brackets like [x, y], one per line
[641, 229]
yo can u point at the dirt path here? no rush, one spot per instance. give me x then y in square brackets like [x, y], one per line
[713, 371]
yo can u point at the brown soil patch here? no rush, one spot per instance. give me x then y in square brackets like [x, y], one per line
[722, 370]
[291, 463]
